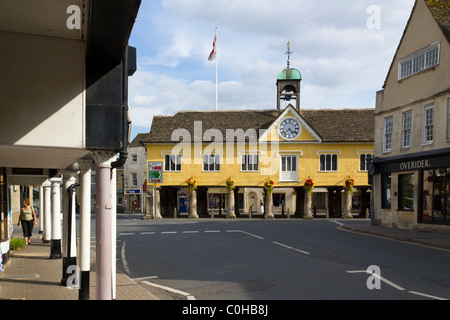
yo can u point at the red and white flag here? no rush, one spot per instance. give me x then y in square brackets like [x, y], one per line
[213, 53]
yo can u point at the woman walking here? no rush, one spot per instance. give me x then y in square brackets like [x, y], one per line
[28, 219]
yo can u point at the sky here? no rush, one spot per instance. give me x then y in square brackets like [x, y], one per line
[343, 50]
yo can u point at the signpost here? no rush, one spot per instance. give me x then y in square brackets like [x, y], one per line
[155, 173]
[154, 176]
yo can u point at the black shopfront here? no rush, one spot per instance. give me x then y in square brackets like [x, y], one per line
[433, 175]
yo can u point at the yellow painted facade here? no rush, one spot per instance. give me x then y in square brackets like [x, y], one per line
[306, 150]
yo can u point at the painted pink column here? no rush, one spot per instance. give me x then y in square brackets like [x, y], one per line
[104, 288]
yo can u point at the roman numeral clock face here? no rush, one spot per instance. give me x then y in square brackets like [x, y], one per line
[289, 129]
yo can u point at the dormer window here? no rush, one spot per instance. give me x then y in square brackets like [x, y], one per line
[420, 60]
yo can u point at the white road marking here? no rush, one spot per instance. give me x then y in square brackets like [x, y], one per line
[168, 232]
[340, 224]
[289, 247]
[212, 231]
[395, 285]
[150, 232]
[126, 234]
[143, 278]
[426, 295]
[250, 234]
[187, 295]
[124, 260]
[190, 231]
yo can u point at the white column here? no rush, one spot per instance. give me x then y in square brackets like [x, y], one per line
[69, 239]
[46, 214]
[113, 230]
[41, 209]
[103, 224]
[55, 252]
[85, 228]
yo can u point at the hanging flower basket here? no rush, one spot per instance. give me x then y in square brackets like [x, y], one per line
[192, 184]
[230, 184]
[269, 185]
[349, 183]
[309, 185]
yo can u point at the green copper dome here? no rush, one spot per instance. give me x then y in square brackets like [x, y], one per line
[289, 74]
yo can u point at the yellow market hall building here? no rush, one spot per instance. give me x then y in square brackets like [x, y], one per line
[268, 163]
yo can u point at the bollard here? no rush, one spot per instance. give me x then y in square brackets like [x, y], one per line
[174, 213]
[250, 213]
[288, 213]
[212, 213]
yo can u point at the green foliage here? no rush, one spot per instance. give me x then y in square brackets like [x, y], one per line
[16, 243]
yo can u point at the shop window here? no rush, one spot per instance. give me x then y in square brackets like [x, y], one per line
[319, 200]
[406, 191]
[386, 190]
[436, 196]
[278, 199]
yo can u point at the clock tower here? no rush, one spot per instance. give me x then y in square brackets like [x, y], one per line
[288, 83]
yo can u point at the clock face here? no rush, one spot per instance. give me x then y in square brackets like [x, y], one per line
[289, 129]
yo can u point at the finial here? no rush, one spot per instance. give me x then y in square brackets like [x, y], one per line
[289, 52]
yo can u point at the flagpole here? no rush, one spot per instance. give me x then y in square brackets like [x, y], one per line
[216, 67]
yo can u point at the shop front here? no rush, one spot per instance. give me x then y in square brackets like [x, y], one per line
[413, 190]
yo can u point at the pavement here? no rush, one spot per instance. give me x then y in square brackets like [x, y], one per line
[30, 274]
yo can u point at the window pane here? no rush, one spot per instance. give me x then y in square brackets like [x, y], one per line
[406, 138]
[217, 162]
[406, 192]
[386, 190]
[244, 162]
[328, 162]
[256, 163]
[418, 63]
[362, 162]
[288, 164]
[283, 163]
[322, 162]
[334, 162]
[294, 164]
[388, 133]
[178, 157]
[205, 163]
[166, 162]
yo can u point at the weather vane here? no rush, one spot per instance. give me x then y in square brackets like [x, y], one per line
[289, 52]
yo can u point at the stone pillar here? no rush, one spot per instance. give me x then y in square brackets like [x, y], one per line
[85, 228]
[158, 203]
[47, 237]
[41, 209]
[308, 205]
[69, 227]
[104, 290]
[148, 206]
[231, 214]
[347, 214]
[55, 248]
[193, 205]
[268, 213]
